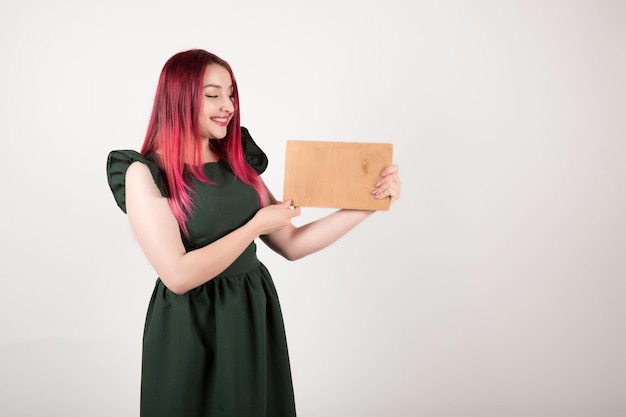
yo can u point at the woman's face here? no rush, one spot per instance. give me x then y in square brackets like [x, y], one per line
[217, 102]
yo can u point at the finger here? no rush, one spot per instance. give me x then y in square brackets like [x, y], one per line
[387, 190]
[391, 169]
[391, 181]
[394, 194]
[381, 191]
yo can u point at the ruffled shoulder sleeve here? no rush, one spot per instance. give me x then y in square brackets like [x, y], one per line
[117, 164]
[255, 157]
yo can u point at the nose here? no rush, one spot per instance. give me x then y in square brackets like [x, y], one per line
[228, 105]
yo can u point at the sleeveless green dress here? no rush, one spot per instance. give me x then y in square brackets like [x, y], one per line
[220, 349]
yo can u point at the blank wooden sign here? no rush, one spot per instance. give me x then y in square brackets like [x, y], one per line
[335, 174]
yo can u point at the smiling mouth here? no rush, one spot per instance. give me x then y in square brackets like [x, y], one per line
[222, 121]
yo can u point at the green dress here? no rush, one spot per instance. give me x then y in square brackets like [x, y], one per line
[220, 349]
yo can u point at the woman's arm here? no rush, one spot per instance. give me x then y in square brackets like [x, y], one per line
[158, 234]
[297, 242]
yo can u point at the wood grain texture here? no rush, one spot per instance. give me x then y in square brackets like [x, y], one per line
[335, 174]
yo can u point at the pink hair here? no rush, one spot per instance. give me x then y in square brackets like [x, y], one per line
[174, 134]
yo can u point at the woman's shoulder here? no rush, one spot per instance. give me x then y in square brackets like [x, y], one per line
[255, 156]
[118, 162]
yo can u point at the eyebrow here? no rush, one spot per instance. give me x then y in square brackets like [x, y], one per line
[215, 86]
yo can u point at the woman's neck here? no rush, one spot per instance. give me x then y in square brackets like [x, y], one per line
[208, 154]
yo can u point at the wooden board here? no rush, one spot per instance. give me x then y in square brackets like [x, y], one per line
[335, 174]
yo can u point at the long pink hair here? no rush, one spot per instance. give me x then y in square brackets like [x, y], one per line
[174, 134]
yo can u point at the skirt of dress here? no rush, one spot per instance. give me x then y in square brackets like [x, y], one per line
[218, 350]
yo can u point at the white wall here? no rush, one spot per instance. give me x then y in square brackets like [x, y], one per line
[494, 287]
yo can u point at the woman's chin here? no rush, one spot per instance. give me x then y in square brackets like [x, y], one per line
[217, 136]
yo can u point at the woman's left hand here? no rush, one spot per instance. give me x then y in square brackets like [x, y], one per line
[389, 184]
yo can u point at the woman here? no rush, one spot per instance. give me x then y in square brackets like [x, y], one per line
[214, 341]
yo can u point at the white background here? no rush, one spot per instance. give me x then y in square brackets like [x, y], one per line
[494, 287]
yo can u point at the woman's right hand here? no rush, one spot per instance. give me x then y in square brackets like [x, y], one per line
[275, 217]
